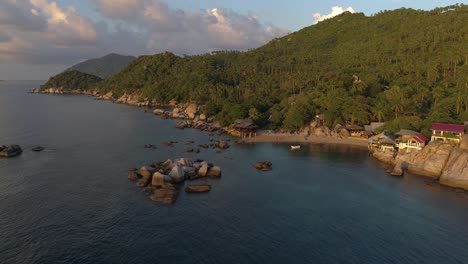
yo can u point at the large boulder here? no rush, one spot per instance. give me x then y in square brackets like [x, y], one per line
[214, 172]
[455, 173]
[397, 170]
[177, 174]
[428, 162]
[202, 117]
[190, 172]
[159, 179]
[203, 169]
[146, 171]
[10, 151]
[384, 156]
[191, 109]
[158, 111]
[184, 162]
[198, 188]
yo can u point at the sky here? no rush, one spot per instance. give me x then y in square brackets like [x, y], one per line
[39, 38]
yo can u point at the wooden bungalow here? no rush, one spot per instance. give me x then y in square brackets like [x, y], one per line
[244, 128]
[410, 140]
[382, 141]
[354, 130]
[451, 133]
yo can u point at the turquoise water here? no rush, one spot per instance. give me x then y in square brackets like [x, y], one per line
[72, 203]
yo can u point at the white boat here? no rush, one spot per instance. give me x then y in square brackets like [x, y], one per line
[295, 147]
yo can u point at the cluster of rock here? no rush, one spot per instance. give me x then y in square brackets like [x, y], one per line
[191, 113]
[8, 151]
[59, 90]
[441, 161]
[161, 179]
[316, 128]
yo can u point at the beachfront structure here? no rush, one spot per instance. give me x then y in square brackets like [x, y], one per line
[354, 130]
[410, 140]
[382, 141]
[451, 133]
[244, 128]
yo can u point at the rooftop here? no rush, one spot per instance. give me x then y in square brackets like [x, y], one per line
[452, 128]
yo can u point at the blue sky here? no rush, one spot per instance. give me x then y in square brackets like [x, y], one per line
[291, 14]
[43, 37]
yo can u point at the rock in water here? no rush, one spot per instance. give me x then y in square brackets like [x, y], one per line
[177, 174]
[203, 170]
[166, 194]
[10, 151]
[222, 144]
[158, 179]
[38, 149]
[133, 176]
[198, 188]
[214, 172]
[263, 165]
[146, 171]
[397, 170]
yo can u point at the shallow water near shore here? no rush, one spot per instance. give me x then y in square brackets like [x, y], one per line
[73, 203]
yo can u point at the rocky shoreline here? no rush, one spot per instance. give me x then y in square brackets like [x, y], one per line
[443, 162]
[440, 161]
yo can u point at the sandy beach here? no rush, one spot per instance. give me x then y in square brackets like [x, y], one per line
[296, 138]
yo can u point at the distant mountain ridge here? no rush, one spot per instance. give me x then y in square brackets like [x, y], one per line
[103, 67]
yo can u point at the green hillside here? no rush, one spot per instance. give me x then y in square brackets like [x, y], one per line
[407, 67]
[104, 66]
[69, 80]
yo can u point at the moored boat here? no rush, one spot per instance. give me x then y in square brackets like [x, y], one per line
[295, 147]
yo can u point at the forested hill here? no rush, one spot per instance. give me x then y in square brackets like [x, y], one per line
[406, 67]
[104, 66]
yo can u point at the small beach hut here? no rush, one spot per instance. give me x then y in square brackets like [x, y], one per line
[244, 128]
[383, 141]
[354, 130]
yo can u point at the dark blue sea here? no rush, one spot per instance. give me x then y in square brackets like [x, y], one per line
[73, 203]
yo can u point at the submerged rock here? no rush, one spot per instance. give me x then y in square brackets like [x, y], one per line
[167, 194]
[198, 188]
[263, 165]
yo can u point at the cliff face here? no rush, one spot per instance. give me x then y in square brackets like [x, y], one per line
[455, 173]
[430, 162]
[445, 162]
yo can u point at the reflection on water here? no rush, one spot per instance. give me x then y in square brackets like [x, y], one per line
[72, 202]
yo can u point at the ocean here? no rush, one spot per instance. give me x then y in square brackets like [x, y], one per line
[73, 203]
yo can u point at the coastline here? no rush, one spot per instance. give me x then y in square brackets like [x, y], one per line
[266, 137]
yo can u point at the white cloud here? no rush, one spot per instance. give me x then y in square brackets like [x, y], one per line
[43, 32]
[336, 10]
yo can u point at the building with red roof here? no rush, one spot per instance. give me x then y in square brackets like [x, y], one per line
[447, 132]
[410, 140]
